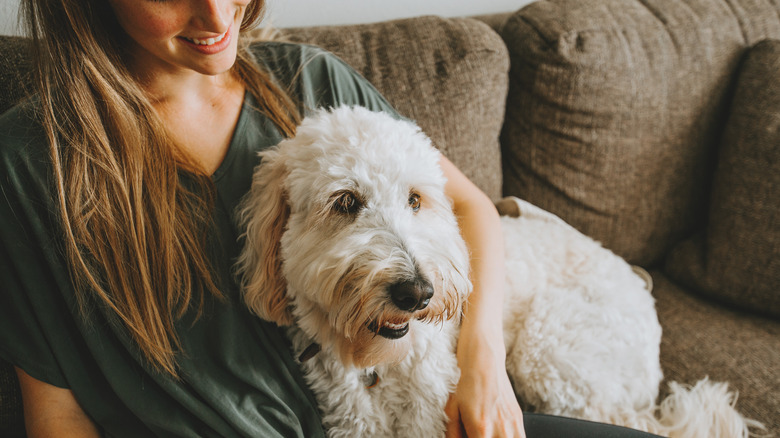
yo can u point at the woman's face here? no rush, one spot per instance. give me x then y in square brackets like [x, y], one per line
[175, 35]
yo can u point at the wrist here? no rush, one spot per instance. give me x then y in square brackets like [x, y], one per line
[479, 337]
[482, 319]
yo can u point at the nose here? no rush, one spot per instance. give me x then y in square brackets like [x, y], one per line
[411, 295]
[213, 15]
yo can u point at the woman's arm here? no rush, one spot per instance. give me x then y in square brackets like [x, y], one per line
[484, 404]
[52, 411]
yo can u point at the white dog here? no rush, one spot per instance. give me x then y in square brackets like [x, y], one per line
[352, 244]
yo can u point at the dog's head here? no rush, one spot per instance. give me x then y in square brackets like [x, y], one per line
[348, 234]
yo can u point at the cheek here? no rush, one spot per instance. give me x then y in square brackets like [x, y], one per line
[159, 27]
[163, 26]
[151, 22]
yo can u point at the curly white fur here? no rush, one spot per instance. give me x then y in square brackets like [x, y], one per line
[355, 204]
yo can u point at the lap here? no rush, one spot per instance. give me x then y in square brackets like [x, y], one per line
[549, 426]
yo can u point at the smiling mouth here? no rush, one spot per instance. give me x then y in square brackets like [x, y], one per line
[206, 41]
[390, 330]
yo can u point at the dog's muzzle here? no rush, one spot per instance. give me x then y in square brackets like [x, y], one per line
[408, 296]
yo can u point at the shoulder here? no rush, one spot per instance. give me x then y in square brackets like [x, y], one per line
[292, 59]
[25, 162]
[278, 53]
[317, 78]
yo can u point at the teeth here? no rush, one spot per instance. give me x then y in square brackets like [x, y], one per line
[207, 41]
[392, 326]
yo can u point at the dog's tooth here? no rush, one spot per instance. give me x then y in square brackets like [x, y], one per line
[392, 326]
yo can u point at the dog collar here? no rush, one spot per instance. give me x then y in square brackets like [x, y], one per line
[315, 348]
[373, 380]
[309, 352]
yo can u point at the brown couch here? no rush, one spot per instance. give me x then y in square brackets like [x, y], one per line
[650, 125]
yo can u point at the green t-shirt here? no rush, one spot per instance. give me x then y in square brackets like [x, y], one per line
[238, 377]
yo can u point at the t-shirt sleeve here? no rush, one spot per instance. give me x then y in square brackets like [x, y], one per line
[29, 303]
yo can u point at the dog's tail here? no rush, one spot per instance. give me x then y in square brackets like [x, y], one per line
[704, 410]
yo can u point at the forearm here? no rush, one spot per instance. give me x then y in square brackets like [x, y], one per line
[481, 229]
[484, 403]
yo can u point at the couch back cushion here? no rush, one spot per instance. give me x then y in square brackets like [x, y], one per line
[737, 256]
[615, 108]
[449, 75]
[15, 69]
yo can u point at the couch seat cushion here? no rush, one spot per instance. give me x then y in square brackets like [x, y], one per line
[702, 338]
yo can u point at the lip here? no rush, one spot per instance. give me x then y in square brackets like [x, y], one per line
[390, 330]
[210, 49]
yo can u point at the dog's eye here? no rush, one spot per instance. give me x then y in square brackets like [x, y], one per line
[415, 202]
[347, 203]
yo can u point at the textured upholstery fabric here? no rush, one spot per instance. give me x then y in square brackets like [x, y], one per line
[615, 107]
[702, 338]
[737, 257]
[14, 70]
[11, 416]
[449, 75]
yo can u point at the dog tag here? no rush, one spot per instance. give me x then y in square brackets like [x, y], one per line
[372, 380]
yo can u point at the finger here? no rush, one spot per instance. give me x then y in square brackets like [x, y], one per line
[454, 427]
[512, 419]
[455, 430]
[477, 428]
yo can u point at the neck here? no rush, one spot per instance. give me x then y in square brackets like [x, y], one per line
[165, 90]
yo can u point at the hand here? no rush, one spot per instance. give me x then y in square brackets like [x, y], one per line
[484, 403]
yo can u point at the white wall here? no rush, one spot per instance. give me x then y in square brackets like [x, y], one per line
[8, 19]
[286, 13]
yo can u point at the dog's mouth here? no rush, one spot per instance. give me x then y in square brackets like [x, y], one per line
[390, 329]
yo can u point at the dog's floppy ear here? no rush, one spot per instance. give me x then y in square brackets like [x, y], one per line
[263, 216]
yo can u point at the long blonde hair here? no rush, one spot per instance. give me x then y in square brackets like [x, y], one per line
[134, 207]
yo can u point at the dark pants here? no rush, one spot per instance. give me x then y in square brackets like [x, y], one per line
[548, 426]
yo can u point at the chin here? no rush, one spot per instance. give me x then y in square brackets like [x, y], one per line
[369, 349]
[215, 65]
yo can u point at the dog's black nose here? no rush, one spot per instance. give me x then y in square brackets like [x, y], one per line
[411, 295]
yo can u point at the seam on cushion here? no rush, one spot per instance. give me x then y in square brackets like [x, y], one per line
[538, 32]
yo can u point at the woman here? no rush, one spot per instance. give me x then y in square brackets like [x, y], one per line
[119, 309]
